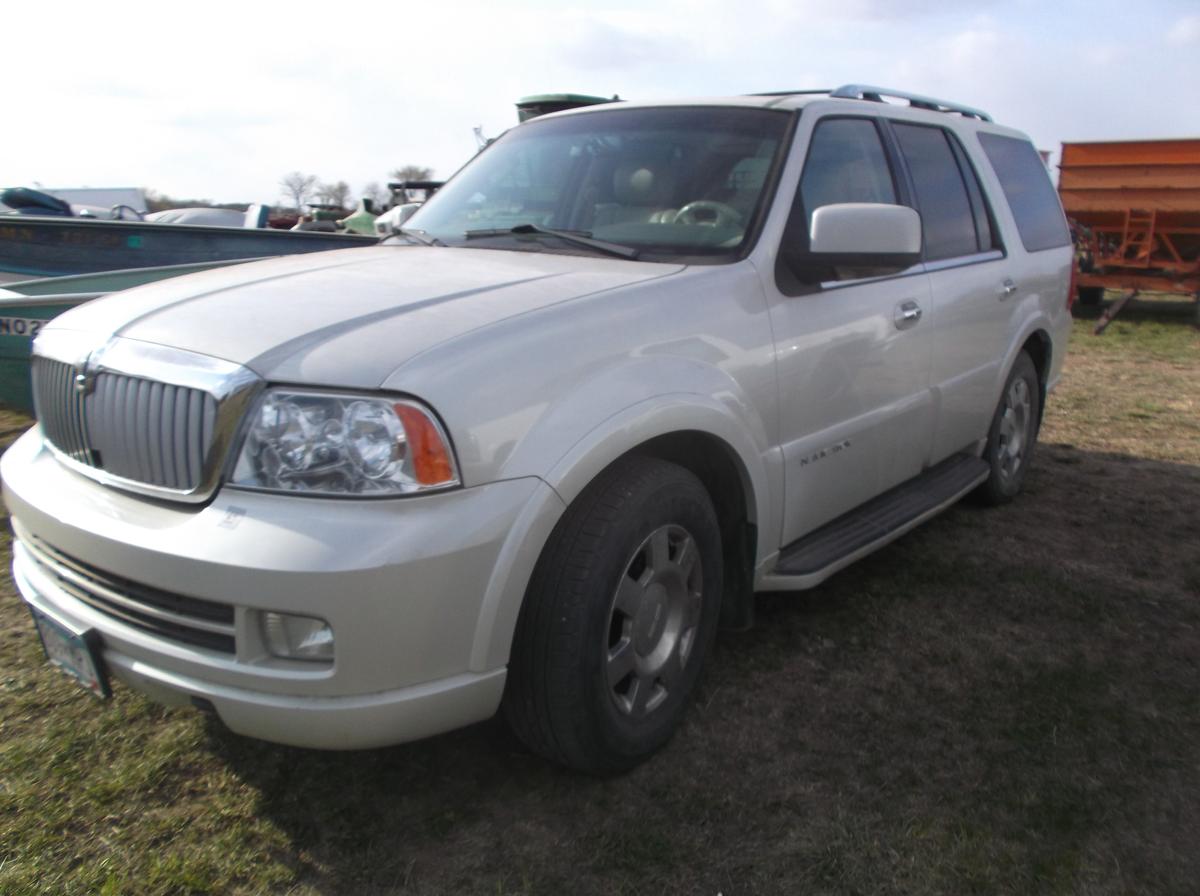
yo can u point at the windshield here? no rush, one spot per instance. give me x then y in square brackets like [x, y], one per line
[666, 182]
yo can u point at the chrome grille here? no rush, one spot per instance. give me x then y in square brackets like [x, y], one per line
[150, 432]
[59, 408]
[177, 617]
[134, 428]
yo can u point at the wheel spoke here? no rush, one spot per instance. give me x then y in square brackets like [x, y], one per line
[691, 611]
[1020, 394]
[1006, 427]
[621, 660]
[672, 670]
[655, 698]
[629, 596]
[660, 550]
[685, 559]
[1015, 427]
[642, 691]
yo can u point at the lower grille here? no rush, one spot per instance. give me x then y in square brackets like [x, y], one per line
[176, 617]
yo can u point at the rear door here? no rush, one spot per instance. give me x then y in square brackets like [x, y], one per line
[973, 299]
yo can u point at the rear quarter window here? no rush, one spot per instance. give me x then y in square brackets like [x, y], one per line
[1027, 188]
[947, 218]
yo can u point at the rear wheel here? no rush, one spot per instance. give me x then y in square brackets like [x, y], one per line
[1090, 296]
[1013, 433]
[618, 618]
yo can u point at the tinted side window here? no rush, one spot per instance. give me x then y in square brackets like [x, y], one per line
[845, 163]
[946, 215]
[1030, 195]
[988, 238]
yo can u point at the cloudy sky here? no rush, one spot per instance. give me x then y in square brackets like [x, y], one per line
[220, 99]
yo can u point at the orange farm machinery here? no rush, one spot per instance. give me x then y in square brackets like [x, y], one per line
[1135, 212]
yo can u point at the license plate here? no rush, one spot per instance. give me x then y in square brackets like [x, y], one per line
[76, 653]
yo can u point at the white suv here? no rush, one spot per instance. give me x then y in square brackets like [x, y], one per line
[631, 365]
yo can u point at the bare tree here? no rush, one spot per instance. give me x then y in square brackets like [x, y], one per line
[412, 172]
[378, 195]
[298, 188]
[337, 193]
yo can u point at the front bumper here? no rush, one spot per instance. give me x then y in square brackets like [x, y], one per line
[401, 582]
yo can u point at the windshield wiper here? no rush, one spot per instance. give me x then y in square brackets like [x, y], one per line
[418, 236]
[576, 237]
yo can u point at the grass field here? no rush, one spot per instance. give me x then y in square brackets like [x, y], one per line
[1004, 701]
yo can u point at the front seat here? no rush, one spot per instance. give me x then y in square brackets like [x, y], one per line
[642, 194]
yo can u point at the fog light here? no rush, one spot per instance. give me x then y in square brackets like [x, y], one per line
[297, 637]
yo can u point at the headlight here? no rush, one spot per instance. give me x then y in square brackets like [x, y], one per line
[343, 445]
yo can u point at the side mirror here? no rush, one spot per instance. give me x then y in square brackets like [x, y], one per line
[862, 235]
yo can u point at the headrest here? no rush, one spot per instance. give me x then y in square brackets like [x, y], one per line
[749, 174]
[635, 183]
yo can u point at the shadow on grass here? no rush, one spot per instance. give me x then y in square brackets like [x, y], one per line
[1176, 309]
[1005, 700]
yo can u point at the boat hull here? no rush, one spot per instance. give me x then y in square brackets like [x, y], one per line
[51, 247]
[20, 322]
[26, 305]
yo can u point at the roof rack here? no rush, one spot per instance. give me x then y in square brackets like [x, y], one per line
[877, 94]
[791, 92]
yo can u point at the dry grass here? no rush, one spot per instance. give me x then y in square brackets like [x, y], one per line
[1004, 701]
[1134, 390]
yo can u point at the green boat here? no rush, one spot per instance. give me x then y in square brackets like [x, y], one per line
[544, 103]
[44, 246]
[26, 305]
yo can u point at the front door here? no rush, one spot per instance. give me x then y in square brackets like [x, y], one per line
[856, 413]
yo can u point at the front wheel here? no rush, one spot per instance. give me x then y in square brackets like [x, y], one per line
[618, 618]
[1013, 433]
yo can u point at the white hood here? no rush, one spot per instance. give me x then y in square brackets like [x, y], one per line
[347, 317]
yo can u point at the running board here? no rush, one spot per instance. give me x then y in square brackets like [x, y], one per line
[820, 554]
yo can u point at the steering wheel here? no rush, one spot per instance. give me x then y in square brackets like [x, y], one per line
[707, 213]
[117, 213]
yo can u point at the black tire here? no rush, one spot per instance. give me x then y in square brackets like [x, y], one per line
[616, 584]
[1090, 296]
[1013, 433]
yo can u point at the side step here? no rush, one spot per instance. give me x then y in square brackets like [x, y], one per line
[837, 544]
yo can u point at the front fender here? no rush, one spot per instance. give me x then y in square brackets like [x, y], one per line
[628, 403]
[663, 415]
[570, 473]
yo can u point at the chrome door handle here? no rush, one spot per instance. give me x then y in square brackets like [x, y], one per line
[907, 315]
[1007, 288]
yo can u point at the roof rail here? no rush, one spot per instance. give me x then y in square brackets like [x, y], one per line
[877, 94]
[790, 92]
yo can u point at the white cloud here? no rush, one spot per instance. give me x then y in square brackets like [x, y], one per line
[1185, 32]
[595, 44]
[241, 93]
[1099, 55]
[878, 11]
